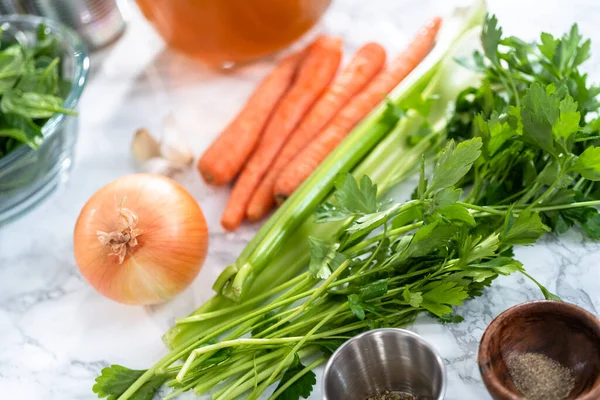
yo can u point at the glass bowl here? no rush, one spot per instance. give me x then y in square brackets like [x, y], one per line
[28, 176]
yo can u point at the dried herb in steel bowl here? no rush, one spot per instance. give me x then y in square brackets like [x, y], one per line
[31, 89]
[393, 396]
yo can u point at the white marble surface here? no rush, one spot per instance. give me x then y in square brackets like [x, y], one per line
[56, 333]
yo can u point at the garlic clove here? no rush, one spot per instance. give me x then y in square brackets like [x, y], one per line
[162, 166]
[173, 146]
[144, 146]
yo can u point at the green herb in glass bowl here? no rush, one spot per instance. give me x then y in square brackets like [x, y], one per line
[43, 71]
[31, 90]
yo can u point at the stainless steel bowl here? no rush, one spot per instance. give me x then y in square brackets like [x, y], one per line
[28, 176]
[381, 360]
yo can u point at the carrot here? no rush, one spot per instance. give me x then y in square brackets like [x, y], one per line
[226, 156]
[315, 73]
[365, 64]
[315, 152]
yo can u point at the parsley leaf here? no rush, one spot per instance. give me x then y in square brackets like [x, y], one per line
[567, 123]
[540, 111]
[569, 53]
[438, 296]
[356, 306]
[374, 289]
[324, 259]
[430, 237]
[353, 199]
[525, 229]
[548, 45]
[501, 265]
[490, 38]
[359, 199]
[303, 381]
[446, 197]
[588, 164]
[116, 379]
[454, 163]
[456, 212]
[413, 298]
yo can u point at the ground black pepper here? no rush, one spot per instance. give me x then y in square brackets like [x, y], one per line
[540, 378]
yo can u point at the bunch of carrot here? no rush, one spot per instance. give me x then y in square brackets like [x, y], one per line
[297, 116]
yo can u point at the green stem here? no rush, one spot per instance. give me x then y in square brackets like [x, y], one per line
[251, 302]
[548, 192]
[252, 366]
[531, 192]
[489, 210]
[580, 182]
[359, 247]
[587, 138]
[289, 358]
[299, 375]
[566, 206]
[374, 253]
[224, 277]
[316, 294]
[242, 384]
[513, 196]
[230, 343]
[303, 323]
[224, 372]
[145, 377]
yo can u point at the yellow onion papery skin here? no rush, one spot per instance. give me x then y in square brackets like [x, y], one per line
[156, 257]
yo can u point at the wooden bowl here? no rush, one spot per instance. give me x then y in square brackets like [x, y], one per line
[561, 331]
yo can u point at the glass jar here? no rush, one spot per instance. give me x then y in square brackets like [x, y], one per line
[222, 32]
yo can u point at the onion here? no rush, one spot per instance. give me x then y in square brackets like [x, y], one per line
[140, 239]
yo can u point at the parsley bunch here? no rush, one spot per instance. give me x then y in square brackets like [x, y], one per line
[537, 115]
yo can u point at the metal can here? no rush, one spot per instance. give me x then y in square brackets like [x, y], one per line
[98, 22]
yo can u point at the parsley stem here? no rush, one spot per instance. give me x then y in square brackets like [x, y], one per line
[580, 182]
[489, 210]
[290, 357]
[547, 193]
[529, 194]
[242, 384]
[567, 206]
[587, 138]
[374, 253]
[299, 375]
[231, 343]
[392, 233]
[206, 384]
[251, 302]
[548, 208]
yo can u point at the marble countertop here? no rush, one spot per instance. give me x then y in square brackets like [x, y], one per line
[56, 333]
